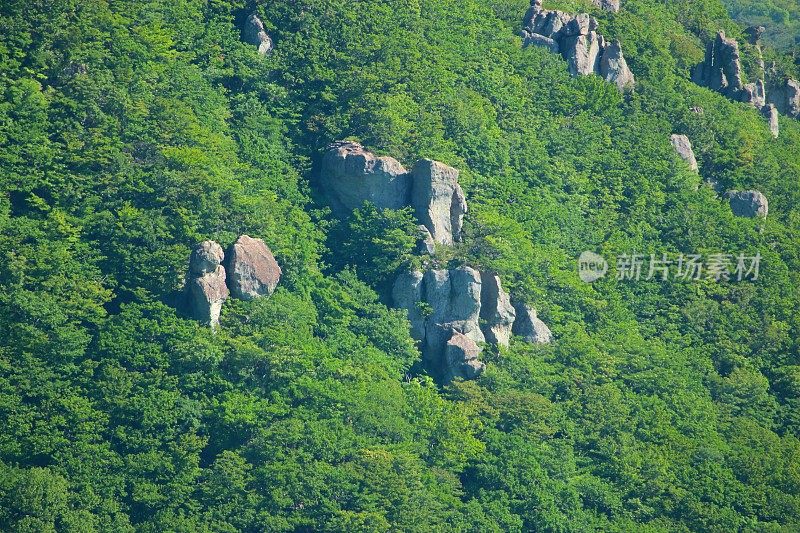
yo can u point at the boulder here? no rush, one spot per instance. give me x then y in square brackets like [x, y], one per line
[351, 175]
[461, 358]
[438, 200]
[683, 146]
[255, 34]
[207, 292]
[407, 294]
[749, 204]
[205, 258]
[528, 326]
[251, 268]
[771, 114]
[614, 68]
[497, 313]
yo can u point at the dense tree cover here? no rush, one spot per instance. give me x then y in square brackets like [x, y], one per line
[129, 130]
[780, 18]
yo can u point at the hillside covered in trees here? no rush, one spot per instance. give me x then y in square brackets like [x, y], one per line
[130, 131]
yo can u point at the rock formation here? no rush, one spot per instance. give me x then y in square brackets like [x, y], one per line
[749, 204]
[786, 98]
[206, 288]
[528, 326]
[438, 200]
[252, 269]
[407, 294]
[771, 114]
[721, 71]
[351, 175]
[255, 34]
[607, 5]
[497, 313]
[576, 39]
[461, 358]
[452, 311]
[683, 146]
[425, 242]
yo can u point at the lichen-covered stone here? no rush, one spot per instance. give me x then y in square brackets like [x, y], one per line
[252, 269]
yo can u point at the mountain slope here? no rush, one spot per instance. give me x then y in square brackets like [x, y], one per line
[129, 131]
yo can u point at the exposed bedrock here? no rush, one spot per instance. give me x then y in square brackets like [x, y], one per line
[683, 147]
[351, 175]
[255, 34]
[465, 305]
[206, 287]
[576, 38]
[749, 204]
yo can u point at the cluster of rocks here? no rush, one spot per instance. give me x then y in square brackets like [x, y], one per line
[575, 37]
[749, 204]
[255, 34]
[452, 311]
[247, 271]
[721, 71]
[350, 175]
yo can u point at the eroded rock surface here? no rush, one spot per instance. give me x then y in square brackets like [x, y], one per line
[683, 147]
[528, 325]
[771, 114]
[497, 312]
[206, 287]
[251, 268]
[461, 358]
[786, 98]
[438, 200]
[255, 34]
[576, 38]
[749, 204]
[607, 5]
[351, 175]
[407, 294]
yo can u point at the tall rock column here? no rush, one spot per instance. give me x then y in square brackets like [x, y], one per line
[206, 288]
[438, 200]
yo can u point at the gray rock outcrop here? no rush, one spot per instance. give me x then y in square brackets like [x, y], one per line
[749, 204]
[683, 147]
[351, 175]
[607, 5]
[255, 34]
[407, 294]
[425, 242]
[461, 303]
[528, 325]
[771, 114]
[438, 200]
[721, 70]
[497, 313]
[206, 287]
[251, 268]
[786, 98]
[576, 38]
[461, 358]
